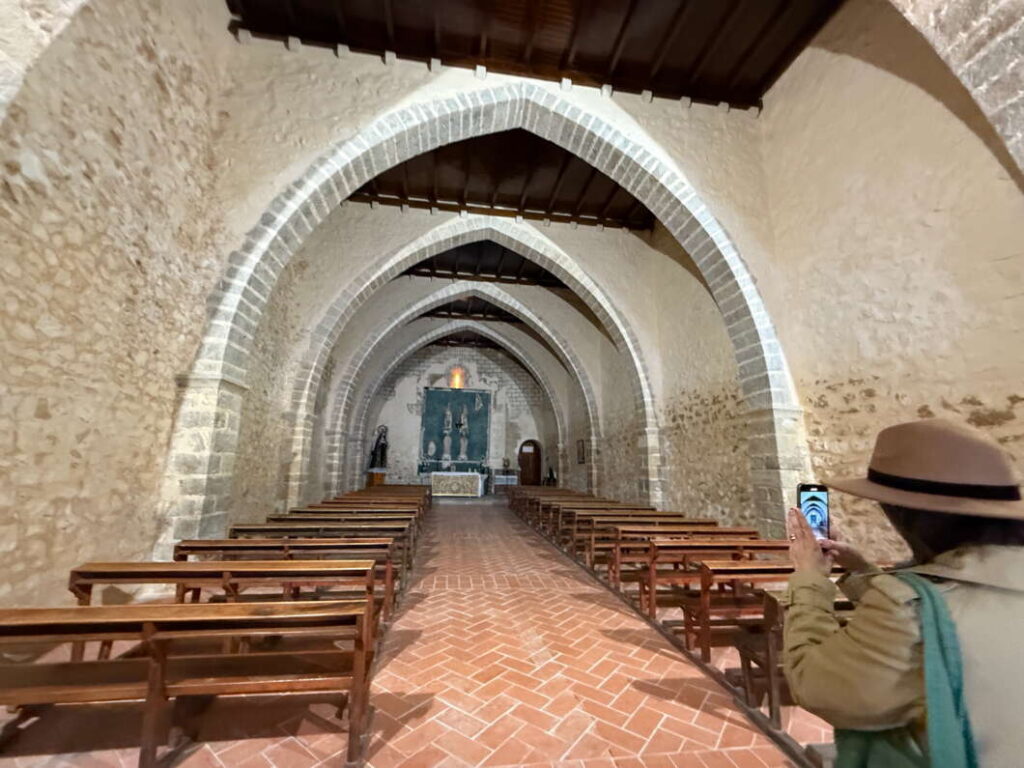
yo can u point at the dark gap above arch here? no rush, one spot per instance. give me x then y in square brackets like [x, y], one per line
[511, 173]
[708, 50]
[485, 261]
[472, 308]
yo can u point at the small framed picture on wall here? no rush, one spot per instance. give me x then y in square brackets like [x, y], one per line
[581, 452]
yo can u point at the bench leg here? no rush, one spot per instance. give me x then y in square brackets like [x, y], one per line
[154, 706]
[12, 728]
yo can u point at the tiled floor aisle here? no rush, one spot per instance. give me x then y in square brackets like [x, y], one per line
[503, 653]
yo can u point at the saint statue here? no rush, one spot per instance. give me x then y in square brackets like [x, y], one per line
[464, 434]
[379, 454]
[446, 441]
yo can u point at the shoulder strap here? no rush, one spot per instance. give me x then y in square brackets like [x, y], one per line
[949, 727]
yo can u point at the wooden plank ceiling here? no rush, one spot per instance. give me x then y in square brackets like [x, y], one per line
[466, 339]
[708, 50]
[508, 173]
[472, 308]
[487, 261]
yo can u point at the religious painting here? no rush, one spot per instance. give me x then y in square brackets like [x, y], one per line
[454, 429]
[581, 452]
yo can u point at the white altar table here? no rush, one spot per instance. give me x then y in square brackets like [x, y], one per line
[457, 484]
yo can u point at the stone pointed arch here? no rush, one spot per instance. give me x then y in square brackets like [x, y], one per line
[631, 159]
[342, 404]
[351, 445]
[523, 239]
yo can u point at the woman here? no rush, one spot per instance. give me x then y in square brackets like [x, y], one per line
[953, 495]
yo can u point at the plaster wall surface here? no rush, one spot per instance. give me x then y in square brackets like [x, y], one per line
[898, 263]
[110, 246]
[519, 409]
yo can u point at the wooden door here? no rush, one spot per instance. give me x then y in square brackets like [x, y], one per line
[529, 463]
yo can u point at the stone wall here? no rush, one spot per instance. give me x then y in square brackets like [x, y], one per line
[519, 409]
[896, 282]
[110, 246]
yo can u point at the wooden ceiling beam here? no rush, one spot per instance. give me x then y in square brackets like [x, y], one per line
[569, 58]
[773, 33]
[389, 24]
[766, 33]
[602, 213]
[559, 179]
[484, 27]
[535, 12]
[620, 38]
[454, 207]
[675, 26]
[583, 192]
[501, 263]
[339, 18]
[437, 29]
[714, 40]
[467, 162]
[526, 187]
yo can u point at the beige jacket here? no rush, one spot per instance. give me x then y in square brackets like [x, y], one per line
[868, 674]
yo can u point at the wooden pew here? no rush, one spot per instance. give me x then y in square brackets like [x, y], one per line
[342, 516]
[183, 655]
[584, 532]
[630, 542]
[553, 513]
[381, 551]
[401, 531]
[683, 556]
[727, 599]
[568, 520]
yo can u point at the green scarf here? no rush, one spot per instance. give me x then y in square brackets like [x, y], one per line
[950, 742]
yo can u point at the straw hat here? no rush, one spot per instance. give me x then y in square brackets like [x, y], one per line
[939, 466]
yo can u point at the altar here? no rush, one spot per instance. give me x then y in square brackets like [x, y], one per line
[470, 484]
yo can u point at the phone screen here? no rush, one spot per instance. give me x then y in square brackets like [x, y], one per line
[813, 501]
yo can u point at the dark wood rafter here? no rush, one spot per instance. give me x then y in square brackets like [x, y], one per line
[569, 57]
[485, 18]
[714, 41]
[389, 24]
[767, 33]
[468, 339]
[682, 12]
[589, 42]
[339, 19]
[435, 17]
[536, 9]
[620, 38]
[603, 212]
[581, 201]
[475, 175]
[485, 261]
[472, 308]
[559, 180]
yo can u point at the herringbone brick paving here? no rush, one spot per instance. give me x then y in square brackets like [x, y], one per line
[503, 654]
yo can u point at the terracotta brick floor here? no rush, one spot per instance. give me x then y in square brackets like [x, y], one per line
[503, 653]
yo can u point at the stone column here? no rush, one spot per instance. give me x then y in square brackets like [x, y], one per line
[196, 497]
[779, 460]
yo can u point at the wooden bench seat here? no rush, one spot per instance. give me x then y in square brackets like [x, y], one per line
[164, 672]
[674, 561]
[401, 531]
[381, 551]
[589, 525]
[628, 543]
[231, 577]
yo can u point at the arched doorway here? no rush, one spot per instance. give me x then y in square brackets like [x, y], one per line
[529, 463]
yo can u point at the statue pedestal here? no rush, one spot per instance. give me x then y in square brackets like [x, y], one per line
[376, 477]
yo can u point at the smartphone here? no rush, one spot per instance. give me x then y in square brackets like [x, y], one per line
[813, 502]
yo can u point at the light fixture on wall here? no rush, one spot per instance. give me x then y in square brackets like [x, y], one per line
[457, 377]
